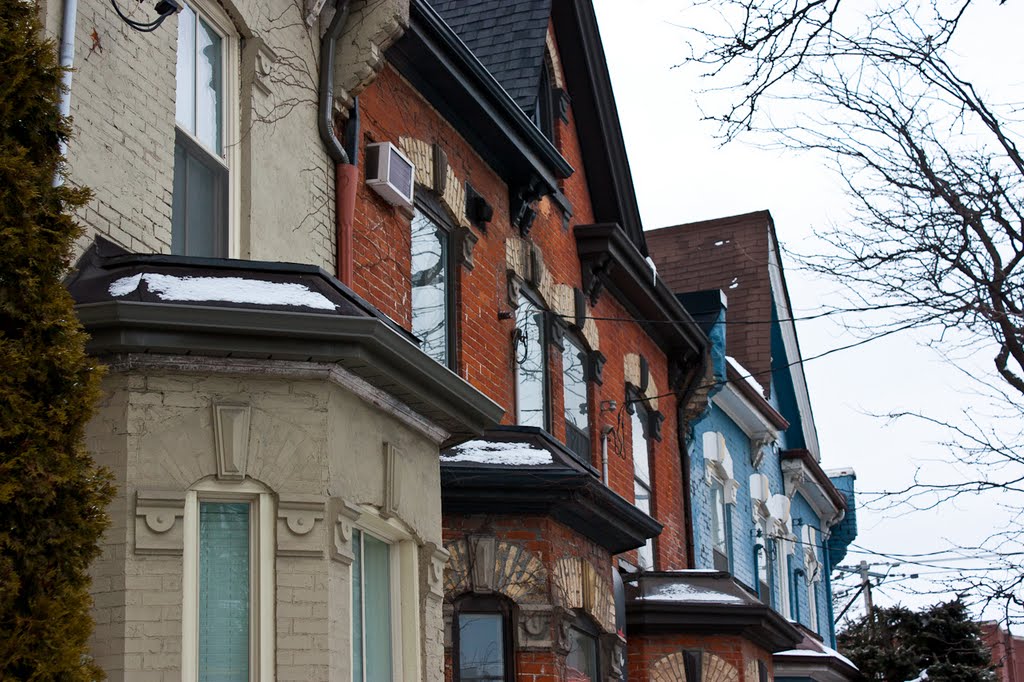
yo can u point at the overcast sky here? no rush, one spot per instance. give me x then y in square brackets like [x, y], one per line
[682, 175]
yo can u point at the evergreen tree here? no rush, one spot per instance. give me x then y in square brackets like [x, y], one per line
[52, 495]
[898, 644]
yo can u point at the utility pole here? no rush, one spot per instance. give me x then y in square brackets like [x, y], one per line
[865, 583]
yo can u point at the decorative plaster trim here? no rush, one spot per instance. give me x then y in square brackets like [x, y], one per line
[289, 370]
[158, 529]
[718, 465]
[300, 524]
[392, 482]
[437, 557]
[534, 627]
[341, 519]
[231, 440]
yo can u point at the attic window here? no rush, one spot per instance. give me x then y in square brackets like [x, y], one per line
[544, 108]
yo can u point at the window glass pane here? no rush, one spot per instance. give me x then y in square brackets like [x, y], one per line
[481, 647]
[185, 95]
[209, 87]
[763, 556]
[582, 659]
[199, 205]
[575, 393]
[224, 591]
[529, 350]
[641, 453]
[430, 287]
[371, 609]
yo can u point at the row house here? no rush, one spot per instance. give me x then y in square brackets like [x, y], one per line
[395, 389]
[768, 521]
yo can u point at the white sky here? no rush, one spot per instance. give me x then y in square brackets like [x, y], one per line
[682, 175]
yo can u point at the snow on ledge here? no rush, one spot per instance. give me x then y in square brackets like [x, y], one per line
[746, 374]
[682, 592]
[228, 289]
[497, 452]
[828, 652]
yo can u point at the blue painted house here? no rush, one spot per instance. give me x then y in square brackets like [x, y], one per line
[763, 510]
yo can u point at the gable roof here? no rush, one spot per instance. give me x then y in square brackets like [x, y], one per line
[730, 254]
[507, 36]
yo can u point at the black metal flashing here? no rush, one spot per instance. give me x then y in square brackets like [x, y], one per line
[354, 335]
[612, 195]
[609, 259]
[433, 58]
[564, 489]
[657, 603]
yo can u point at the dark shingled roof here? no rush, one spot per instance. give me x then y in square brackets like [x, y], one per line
[507, 36]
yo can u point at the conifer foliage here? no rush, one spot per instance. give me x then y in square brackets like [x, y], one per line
[898, 644]
[52, 495]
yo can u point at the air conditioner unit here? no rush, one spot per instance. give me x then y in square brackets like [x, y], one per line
[390, 173]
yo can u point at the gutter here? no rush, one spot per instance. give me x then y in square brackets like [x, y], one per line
[345, 171]
[69, 20]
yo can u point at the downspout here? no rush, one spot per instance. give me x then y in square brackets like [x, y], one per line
[828, 591]
[345, 170]
[684, 453]
[69, 21]
[606, 431]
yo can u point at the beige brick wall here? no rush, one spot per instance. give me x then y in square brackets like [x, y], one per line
[308, 439]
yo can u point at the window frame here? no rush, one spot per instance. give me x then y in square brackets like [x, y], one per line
[570, 341]
[404, 586]
[542, 330]
[721, 557]
[261, 568]
[427, 204]
[764, 551]
[221, 23]
[485, 604]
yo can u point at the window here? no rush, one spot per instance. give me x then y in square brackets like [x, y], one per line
[371, 608]
[482, 640]
[531, 366]
[577, 407]
[544, 109]
[431, 287]
[764, 564]
[385, 618]
[641, 475]
[720, 526]
[204, 106]
[228, 583]
[583, 662]
[781, 577]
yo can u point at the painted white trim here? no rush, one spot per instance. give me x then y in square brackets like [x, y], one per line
[745, 415]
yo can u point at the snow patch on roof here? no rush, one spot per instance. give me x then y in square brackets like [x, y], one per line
[228, 289]
[691, 593]
[746, 374]
[828, 652]
[497, 452]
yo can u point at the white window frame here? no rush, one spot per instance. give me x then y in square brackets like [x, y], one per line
[645, 555]
[405, 596]
[783, 551]
[219, 20]
[261, 595]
